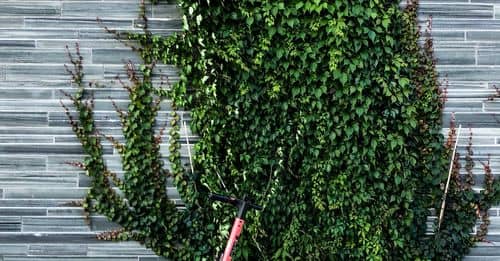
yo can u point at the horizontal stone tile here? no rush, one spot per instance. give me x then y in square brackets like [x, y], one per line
[150, 259]
[23, 163]
[169, 71]
[141, 258]
[456, 56]
[40, 131]
[479, 180]
[72, 250]
[27, 94]
[38, 179]
[470, 93]
[483, 252]
[76, 23]
[477, 170]
[469, 73]
[40, 55]
[464, 139]
[55, 105]
[447, 11]
[23, 139]
[153, 23]
[118, 250]
[105, 92]
[488, 57]
[45, 149]
[494, 227]
[113, 56]
[30, 8]
[44, 193]
[465, 84]
[166, 10]
[54, 224]
[10, 224]
[48, 238]
[32, 119]
[120, 9]
[33, 203]
[102, 224]
[36, 84]
[16, 44]
[478, 120]
[74, 139]
[84, 43]
[13, 211]
[489, 36]
[480, 45]
[11, 22]
[100, 34]
[463, 105]
[38, 33]
[465, 24]
[442, 36]
[102, 120]
[13, 249]
[99, 124]
[492, 106]
[28, 71]
[60, 164]
[65, 211]
[479, 150]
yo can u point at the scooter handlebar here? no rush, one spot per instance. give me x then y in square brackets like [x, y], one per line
[232, 201]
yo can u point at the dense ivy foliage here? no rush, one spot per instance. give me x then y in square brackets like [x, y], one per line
[327, 113]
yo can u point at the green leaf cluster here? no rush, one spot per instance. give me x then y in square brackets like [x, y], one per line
[327, 113]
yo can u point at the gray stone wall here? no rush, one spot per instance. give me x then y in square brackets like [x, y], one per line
[36, 185]
[467, 46]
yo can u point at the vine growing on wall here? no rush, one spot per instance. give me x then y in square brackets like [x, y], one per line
[326, 113]
[140, 205]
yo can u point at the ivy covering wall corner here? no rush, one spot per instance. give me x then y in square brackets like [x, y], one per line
[327, 113]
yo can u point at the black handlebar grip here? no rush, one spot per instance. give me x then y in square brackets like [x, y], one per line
[230, 200]
[221, 198]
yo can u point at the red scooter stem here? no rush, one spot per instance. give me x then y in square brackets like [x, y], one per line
[233, 238]
[243, 206]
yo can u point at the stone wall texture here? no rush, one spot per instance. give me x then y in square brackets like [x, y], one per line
[37, 221]
[467, 47]
[37, 186]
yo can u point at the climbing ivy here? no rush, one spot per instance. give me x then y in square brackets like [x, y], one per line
[327, 113]
[141, 206]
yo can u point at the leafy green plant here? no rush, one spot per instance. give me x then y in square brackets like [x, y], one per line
[140, 204]
[326, 113]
